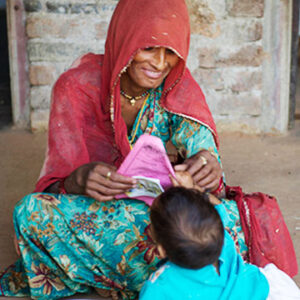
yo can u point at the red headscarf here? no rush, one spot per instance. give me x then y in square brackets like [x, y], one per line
[85, 120]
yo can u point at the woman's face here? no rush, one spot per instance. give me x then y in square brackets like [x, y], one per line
[151, 66]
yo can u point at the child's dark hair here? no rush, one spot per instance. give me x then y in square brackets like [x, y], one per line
[188, 227]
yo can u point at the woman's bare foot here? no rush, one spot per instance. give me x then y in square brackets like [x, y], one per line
[107, 293]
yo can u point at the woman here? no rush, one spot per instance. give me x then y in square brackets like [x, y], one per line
[72, 234]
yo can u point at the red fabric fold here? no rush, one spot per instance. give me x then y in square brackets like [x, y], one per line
[85, 121]
[266, 233]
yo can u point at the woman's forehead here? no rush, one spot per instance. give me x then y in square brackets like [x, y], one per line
[170, 48]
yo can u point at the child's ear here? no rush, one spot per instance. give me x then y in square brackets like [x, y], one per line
[161, 252]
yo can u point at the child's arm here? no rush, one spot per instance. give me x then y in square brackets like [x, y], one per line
[150, 292]
[155, 287]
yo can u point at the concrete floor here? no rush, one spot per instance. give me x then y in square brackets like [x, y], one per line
[270, 164]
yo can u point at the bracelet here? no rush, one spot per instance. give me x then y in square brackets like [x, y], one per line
[61, 187]
[219, 189]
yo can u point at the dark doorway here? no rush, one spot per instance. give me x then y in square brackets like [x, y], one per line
[297, 106]
[5, 95]
[294, 112]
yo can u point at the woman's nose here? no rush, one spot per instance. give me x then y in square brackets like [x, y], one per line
[159, 58]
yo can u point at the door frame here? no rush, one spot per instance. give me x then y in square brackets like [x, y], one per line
[294, 62]
[18, 63]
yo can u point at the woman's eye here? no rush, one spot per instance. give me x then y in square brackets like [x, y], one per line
[169, 51]
[149, 48]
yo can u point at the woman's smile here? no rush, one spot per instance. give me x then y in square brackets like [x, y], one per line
[152, 74]
[148, 69]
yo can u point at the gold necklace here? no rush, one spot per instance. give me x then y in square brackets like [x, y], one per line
[133, 99]
[140, 114]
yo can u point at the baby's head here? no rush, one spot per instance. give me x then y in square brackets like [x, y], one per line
[187, 227]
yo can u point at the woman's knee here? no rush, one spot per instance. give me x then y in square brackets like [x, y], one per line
[23, 208]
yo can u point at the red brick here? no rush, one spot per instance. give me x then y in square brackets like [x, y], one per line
[224, 103]
[41, 75]
[39, 120]
[101, 30]
[251, 55]
[41, 27]
[245, 8]
[246, 81]
[207, 57]
[203, 19]
[210, 79]
[246, 30]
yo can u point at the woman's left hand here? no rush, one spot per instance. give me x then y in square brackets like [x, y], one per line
[204, 168]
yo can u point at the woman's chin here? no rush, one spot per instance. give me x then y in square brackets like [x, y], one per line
[152, 84]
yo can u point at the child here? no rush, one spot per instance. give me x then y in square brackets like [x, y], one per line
[202, 260]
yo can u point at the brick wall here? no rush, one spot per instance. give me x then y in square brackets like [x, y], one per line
[58, 32]
[225, 58]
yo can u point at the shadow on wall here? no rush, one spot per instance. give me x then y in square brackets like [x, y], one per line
[299, 52]
[5, 96]
[2, 4]
[297, 109]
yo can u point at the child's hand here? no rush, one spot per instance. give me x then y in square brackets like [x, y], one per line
[184, 178]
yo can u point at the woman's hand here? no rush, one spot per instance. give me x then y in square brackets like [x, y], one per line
[99, 181]
[172, 152]
[204, 168]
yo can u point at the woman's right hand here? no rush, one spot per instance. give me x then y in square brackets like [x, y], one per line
[99, 181]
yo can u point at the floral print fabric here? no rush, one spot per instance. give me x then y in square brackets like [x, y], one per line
[72, 243]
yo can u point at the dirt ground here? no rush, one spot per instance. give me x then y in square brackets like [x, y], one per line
[270, 164]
